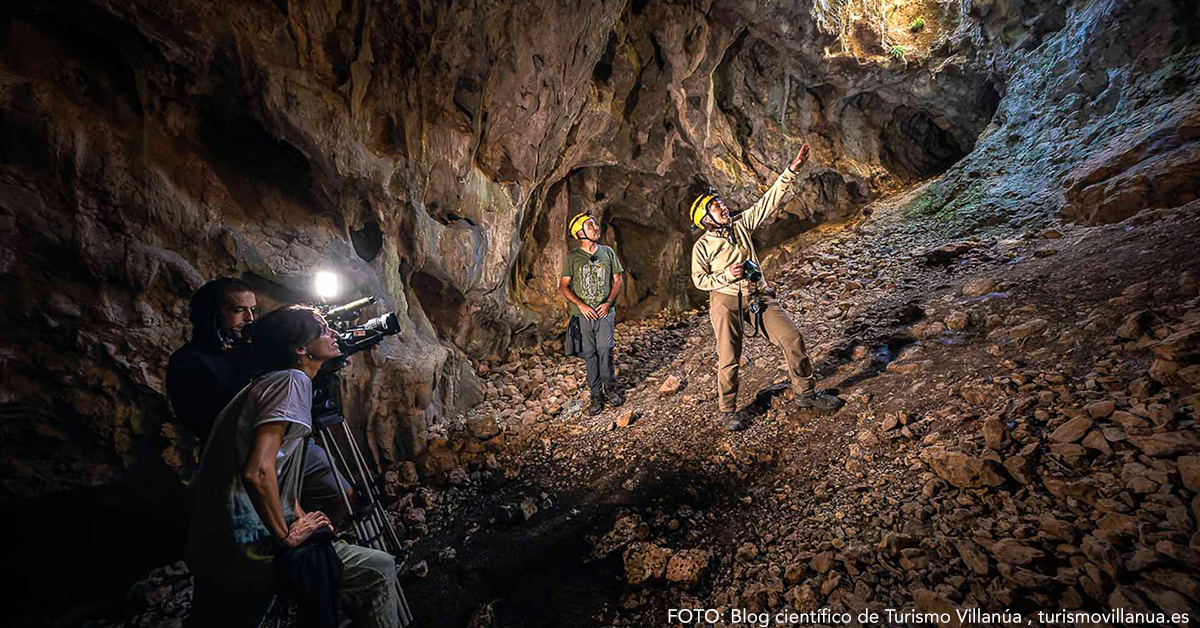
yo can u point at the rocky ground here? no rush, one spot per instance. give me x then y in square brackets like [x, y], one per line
[1019, 435]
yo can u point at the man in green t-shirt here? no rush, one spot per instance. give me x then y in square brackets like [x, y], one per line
[591, 281]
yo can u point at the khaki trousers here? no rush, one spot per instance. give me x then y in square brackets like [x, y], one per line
[780, 330]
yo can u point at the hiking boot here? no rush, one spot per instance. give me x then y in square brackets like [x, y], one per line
[734, 421]
[597, 405]
[819, 401]
[613, 396]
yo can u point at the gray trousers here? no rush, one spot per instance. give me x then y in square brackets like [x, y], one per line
[370, 594]
[319, 490]
[370, 589]
[598, 351]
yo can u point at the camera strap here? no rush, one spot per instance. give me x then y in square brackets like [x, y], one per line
[757, 307]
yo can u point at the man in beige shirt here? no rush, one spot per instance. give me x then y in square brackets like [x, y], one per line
[718, 259]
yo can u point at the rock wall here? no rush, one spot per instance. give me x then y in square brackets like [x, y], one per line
[1099, 115]
[432, 153]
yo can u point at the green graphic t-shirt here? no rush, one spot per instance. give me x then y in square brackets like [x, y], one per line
[591, 274]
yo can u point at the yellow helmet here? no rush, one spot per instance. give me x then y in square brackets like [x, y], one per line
[577, 223]
[700, 208]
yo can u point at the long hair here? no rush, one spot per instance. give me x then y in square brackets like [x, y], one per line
[275, 337]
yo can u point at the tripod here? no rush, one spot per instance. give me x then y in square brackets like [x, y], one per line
[370, 525]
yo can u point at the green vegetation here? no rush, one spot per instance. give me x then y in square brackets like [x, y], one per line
[927, 204]
[945, 201]
[954, 208]
[897, 53]
[917, 24]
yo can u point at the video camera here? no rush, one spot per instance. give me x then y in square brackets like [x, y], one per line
[351, 339]
[354, 338]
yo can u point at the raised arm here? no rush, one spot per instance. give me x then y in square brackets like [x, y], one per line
[761, 210]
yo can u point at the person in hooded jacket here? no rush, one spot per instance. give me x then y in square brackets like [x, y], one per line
[248, 507]
[205, 374]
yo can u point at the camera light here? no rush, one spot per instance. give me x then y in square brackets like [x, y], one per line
[326, 285]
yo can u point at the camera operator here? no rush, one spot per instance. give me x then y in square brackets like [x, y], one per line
[207, 372]
[719, 262]
[591, 282]
[247, 512]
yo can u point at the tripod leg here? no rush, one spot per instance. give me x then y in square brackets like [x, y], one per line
[406, 616]
[384, 524]
[331, 445]
[366, 527]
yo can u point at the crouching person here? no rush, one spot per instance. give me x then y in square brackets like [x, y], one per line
[247, 514]
[718, 259]
[591, 282]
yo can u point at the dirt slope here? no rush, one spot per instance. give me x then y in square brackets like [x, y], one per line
[1011, 441]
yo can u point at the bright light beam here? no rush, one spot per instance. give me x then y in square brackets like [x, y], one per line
[326, 285]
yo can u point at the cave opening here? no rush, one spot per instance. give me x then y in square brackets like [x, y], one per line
[367, 241]
[604, 67]
[914, 144]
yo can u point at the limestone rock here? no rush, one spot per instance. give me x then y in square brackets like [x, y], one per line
[1168, 443]
[995, 434]
[947, 253]
[1134, 325]
[822, 562]
[645, 562]
[672, 385]
[1020, 469]
[1189, 469]
[928, 601]
[1030, 328]
[1072, 430]
[973, 557]
[627, 417]
[687, 566]
[978, 287]
[482, 428]
[1101, 409]
[962, 470]
[958, 321]
[1014, 552]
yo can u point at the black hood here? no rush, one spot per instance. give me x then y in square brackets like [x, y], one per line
[203, 313]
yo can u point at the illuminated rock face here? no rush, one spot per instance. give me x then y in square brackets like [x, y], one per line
[432, 155]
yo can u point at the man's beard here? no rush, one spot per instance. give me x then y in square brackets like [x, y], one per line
[230, 337]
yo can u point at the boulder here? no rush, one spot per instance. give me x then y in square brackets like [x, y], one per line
[978, 287]
[645, 562]
[687, 566]
[1072, 430]
[962, 470]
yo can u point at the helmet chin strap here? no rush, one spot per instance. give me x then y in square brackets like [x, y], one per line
[714, 226]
